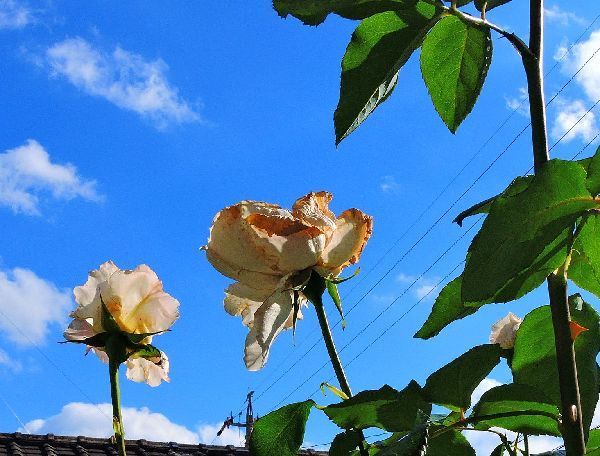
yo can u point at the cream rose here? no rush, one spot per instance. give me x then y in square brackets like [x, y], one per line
[504, 331]
[268, 250]
[137, 303]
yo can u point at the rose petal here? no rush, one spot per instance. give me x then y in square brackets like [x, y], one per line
[353, 230]
[313, 209]
[88, 298]
[100, 353]
[144, 370]
[137, 301]
[255, 356]
[271, 318]
[504, 331]
[243, 300]
[242, 275]
[79, 330]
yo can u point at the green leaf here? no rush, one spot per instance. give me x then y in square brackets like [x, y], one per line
[498, 451]
[455, 59]
[385, 408]
[345, 443]
[526, 235]
[490, 4]
[534, 360]
[146, 351]
[379, 47]
[448, 307]
[449, 443]
[593, 443]
[517, 186]
[585, 267]
[538, 415]
[314, 12]
[453, 384]
[593, 173]
[334, 389]
[281, 432]
[413, 444]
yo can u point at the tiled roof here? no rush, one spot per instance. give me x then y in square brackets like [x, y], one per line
[18, 444]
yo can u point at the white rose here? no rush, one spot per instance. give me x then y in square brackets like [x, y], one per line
[504, 331]
[152, 370]
[265, 248]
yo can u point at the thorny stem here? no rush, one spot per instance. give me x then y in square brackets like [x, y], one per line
[572, 425]
[335, 359]
[115, 394]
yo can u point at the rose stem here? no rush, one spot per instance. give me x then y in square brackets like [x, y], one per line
[335, 360]
[115, 394]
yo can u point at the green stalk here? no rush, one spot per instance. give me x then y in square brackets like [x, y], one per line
[572, 425]
[335, 359]
[115, 394]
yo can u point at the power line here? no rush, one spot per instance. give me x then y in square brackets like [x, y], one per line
[404, 292]
[386, 274]
[53, 364]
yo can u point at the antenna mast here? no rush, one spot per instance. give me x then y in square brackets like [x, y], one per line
[248, 425]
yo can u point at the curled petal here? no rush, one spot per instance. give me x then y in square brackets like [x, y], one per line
[88, 298]
[353, 230]
[152, 371]
[271, 317]
[504, 331]
[259, 279]
[255, 356]
[137, 301]
[242, 300]
[79, 330]
[313, 210]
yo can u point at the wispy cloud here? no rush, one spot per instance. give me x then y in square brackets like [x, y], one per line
[27, 173]
[424, 287]
[15, 15]
[93, 420]
[571, 117]
[9, 363]
[520, 103]
[29, 306]
[123, 78]
[559, 16]
[582, 59]
[388, 184]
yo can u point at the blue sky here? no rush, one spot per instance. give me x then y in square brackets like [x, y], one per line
[126, 127]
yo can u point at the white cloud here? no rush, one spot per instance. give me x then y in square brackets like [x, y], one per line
[29, 305]
[388, 184]
[571, 117]
[123, 78]
[14, 15]
[520, 103]
[485, 385]
[27, 171]
[588, 77]
[94, 420]
[557, 15]
[424, 286]
[9, 363]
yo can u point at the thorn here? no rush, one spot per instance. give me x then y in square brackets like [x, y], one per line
[576, 329]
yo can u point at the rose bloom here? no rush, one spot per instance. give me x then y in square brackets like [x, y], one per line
[138, 304]
[268, 250]
[504, 331]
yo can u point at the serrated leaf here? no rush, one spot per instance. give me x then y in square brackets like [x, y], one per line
[412, 444]
[281, 432]
[448, 307]
[539, 414]
[314, 12]
[534, 360]
[345, 443]
[526, 235]
[489, 4]
[517, 186]
[452, 385]
[385, 408]
[455, 59]
[449, 443]
[379, 47]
